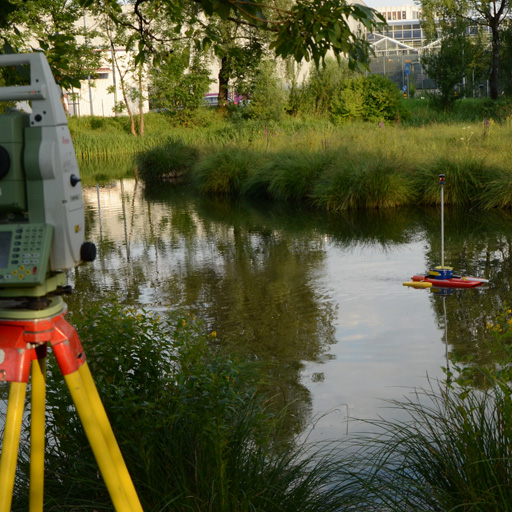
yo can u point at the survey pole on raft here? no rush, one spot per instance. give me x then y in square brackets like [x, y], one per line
[441, 182]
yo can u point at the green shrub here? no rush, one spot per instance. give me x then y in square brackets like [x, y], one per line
[171, 160]
[195, 429]
[371, 97]
[322, 86]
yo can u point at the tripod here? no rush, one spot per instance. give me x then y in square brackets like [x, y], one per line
[24, 337]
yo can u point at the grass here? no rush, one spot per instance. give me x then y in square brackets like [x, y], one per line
[198, 428]
[451, 453]
[352, 166]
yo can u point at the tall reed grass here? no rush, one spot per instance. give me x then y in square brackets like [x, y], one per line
[197, 427]
[357, 165]
[451, 452]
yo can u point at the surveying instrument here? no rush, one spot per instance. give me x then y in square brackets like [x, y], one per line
[42, 236]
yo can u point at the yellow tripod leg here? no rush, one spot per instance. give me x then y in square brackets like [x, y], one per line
[97, 441]
[37, 435]
[108, 434]
[11, 443]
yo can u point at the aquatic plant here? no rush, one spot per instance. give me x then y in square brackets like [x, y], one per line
[170, 160]
[287, 175]
[224, 172]
[362, 181]
[196, 426]
[451, 452]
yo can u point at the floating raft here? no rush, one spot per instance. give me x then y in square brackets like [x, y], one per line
[429, 281]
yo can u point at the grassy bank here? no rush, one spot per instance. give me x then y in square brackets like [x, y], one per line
[355, 165]
[350, 166]
[200, 431]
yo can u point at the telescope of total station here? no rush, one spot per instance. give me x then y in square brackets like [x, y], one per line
[42, 237]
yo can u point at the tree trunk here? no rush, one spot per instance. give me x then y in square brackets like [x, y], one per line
[223, 83]
[141, 104]
[495, 70]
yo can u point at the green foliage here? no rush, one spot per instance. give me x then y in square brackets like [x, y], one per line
[322, 86]
[460, 55]
[194, 427]
[451, 451]
[287, 176]
[372, 97]
[55, 27]
[170, 160]
[368, 182]
[268, 98]
[224, 172]
[315, 28]
[177, 83]
[468, 175]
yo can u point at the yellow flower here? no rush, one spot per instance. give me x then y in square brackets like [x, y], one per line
[214, 334]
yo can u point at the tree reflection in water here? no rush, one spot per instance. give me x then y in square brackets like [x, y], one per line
[255, 272]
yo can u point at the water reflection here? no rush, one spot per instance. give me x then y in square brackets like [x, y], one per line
[321, 297]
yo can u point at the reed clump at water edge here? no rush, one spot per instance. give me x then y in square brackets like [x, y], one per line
[355, 165]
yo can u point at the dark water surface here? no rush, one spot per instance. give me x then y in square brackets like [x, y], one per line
[319, 296]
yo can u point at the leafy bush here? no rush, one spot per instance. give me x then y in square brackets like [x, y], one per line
[192, 423]
[322, 85]
[371, 97]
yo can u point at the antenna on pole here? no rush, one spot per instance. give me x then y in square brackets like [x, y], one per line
[441, 182]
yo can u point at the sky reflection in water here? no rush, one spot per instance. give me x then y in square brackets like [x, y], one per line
[322, 297]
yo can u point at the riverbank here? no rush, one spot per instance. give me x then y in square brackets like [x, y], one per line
[347, 167]
[356, 165]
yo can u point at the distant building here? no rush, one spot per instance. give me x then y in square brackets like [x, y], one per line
[398, 48]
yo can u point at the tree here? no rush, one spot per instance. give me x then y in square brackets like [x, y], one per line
[117, 37]
[448, 65]
[54, 27]
[180, 81]
[240, 50]
[308, 29]
[492, 15]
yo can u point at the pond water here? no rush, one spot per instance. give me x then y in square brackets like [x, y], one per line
[319, 296]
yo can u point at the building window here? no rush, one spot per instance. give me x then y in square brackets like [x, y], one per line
[389, 16]
[399, 15]
[394, 15]
[404, 15]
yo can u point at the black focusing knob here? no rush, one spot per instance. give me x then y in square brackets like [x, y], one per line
[5, 162]
[74, 179]
[88, 251]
